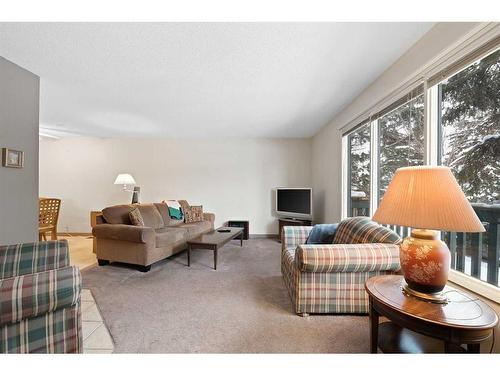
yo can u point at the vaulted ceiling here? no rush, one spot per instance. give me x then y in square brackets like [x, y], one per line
[201, 79]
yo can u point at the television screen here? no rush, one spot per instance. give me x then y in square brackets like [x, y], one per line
[294, 201]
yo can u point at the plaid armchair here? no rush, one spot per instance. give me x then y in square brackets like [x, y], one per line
[330, 278]
[39, 299]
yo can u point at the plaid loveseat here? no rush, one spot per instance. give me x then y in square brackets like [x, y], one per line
[39, 299]
[330, 278]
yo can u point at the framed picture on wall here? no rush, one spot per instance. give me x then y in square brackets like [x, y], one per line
[12, 158]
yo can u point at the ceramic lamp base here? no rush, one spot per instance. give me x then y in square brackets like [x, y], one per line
[425, 261]
[439, 297]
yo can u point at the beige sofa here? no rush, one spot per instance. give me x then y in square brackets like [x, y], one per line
[120, 241]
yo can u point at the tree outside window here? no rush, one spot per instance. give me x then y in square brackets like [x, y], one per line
[470, 125]
[401, 140]
[359, 172]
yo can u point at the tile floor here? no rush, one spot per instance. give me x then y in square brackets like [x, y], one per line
[96, 337]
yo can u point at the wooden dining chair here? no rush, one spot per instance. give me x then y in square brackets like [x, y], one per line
[47, 217]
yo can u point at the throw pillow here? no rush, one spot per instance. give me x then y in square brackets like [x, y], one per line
[322, 234]
[136, 217]
[194, 214]
[184, 206]
[174, 209]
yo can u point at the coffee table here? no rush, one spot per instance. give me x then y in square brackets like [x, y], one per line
[418, 326]
[214, 240]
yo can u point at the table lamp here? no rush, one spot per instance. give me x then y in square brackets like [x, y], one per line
[128, 181]
[427, 199]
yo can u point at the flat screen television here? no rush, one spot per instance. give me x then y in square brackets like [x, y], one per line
[294, 203]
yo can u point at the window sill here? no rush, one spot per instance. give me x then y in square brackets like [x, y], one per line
[474, 285]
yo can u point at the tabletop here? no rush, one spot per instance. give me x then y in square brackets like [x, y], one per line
[462, 311]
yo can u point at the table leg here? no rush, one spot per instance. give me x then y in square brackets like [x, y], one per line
[450, 347]
[189, 255]
[215, 259]
[474, 348]
[374, 318]
[241, 239]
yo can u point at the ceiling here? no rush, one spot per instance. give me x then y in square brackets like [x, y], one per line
[201, 79]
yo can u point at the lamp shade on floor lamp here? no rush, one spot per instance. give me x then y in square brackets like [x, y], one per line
[426, 199]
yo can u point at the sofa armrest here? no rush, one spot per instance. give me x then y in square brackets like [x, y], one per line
[208, 216]
[33, 257]
[124, 232]
[27, 296]
[347, 258]
[294, 236]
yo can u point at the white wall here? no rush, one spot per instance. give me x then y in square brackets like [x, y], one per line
[327, 144]
[233, 178]
[19, 99]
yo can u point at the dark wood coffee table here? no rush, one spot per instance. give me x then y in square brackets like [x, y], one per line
[214, 241]
[418, 326]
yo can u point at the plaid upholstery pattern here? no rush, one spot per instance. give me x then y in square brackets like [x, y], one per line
[358, 230]
[58, 331]
[26, 258]
[347, 258]
[289, 271]
[39, 299]
[324, 279]
[38, 293]
[294, 236]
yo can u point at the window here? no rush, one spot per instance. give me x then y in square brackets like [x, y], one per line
[470, 138]
[359, 172]
[401, 140]
[462, 113]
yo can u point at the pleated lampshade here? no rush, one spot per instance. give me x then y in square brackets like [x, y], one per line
[427, 198]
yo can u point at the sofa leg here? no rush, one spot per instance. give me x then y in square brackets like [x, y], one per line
[102, 262]
[304, 315]
[144, 268]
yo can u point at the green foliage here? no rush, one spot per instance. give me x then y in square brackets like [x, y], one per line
[360, 160]
[470, 131]
[471, 128]
[401, 140]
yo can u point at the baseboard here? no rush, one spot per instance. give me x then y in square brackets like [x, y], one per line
[82, 234]
[257, 236]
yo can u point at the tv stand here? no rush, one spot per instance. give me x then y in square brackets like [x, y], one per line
[290, 222]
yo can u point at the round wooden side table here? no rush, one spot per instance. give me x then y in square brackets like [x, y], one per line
[418, 326]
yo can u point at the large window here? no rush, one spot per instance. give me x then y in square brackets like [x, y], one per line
[401, 140]
[470, 138]
[460, 129]
[359, 172]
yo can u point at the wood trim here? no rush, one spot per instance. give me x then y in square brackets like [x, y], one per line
[252, 236]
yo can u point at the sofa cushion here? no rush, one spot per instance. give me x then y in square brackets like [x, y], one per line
[195, 229]
[136, 217]
[194, 214]
[117, 214]
[163, 210]
[169, 236]
[184, 205]
[322, 234]
[357, 230]
[175, 223]
[151, 216]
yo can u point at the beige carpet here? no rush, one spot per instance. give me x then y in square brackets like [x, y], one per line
[243, 307]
